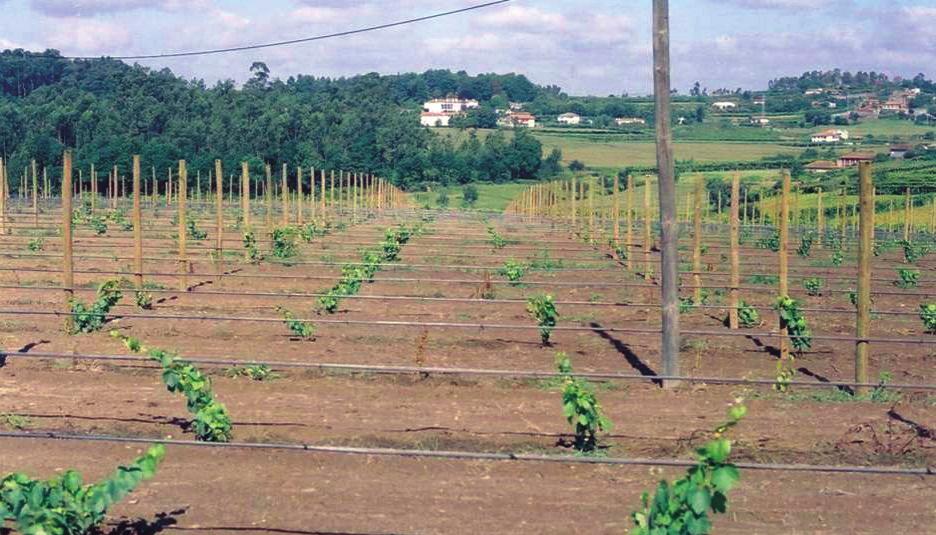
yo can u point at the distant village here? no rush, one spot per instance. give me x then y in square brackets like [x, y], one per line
[439, 112]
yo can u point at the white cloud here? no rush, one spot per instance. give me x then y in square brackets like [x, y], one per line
[77, 36]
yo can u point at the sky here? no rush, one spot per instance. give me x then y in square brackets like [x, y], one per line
[596, 47]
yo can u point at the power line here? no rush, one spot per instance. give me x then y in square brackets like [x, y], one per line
[303, 39]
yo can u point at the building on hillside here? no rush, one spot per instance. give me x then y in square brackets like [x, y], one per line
[899, 150]
[449, 105]
[759, 121]
[724, 105]
[821, 166]
[621, 121]
[516, 119]
[816, 91]
[852, 159]
[830, 136]
[515, 106]
[429, 118]
[569, 118]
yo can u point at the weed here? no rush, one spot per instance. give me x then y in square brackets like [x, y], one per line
[513, 271]
[254, 372]
[747, 315]
[15, 421]
[928, 315]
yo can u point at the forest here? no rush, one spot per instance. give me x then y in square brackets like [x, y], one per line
[105, 110]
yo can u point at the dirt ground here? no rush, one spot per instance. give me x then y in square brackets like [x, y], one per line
[234, 490]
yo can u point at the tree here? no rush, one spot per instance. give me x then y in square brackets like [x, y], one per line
[469, 195]
[552, 165]
[700, 113]
[576, 166]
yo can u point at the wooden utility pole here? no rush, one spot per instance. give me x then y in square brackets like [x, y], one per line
[865, 251]
[137, 227]
[68, 267]
[734, 226]
[669, 228]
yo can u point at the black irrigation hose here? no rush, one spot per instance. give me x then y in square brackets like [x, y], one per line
[479, 326]
[483, 372]
[479, 301]
[467, 455]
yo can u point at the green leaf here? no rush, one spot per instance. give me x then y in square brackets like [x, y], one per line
[699, 500]
[717, 450]
[725, 477]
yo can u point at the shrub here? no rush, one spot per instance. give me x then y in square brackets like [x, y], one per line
[300, 328]
[513, 271]
[747, 315]
[813, 286]
[792, 318]
[928, 315]
[284, 242]
[771, 242]
[250, 245]
[87, 319]
[907, 278]
[543, 310]
[581, 407]
[912, 253]
[64, 505]
[211, 422]
[683, 507]
[806, 243]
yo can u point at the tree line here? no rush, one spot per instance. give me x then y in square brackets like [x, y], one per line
[104, 110]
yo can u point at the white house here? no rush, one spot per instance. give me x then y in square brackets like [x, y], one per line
[830, 136]
[760, 121]
[516, 119]
[724, 105]
[449, 105]
[569, 118]
[621, 121]
[428, 118]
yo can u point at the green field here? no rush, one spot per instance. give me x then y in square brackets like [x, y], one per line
[491, 197]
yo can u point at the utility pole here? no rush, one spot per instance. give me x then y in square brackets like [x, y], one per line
[669, 228]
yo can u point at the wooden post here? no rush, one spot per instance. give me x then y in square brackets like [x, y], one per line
[94, 191]
[3, 197]
[629, 221]
[331, 196]
[35, 194]
[906, 215]
[137, 226]
[572, 196]
[68, 273]
[669, 228]
[617, 212]
[782, 258]
[646, 228]
[820, 219]
[734, 224]
[245, 194]
[299, 200]
[113, 189]
[697, 240]
[322, 194]
[591, 210]
[268, 198]
[183, 226]
[219, 213]
[312, 201]
[865, 251]
[284, 197]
